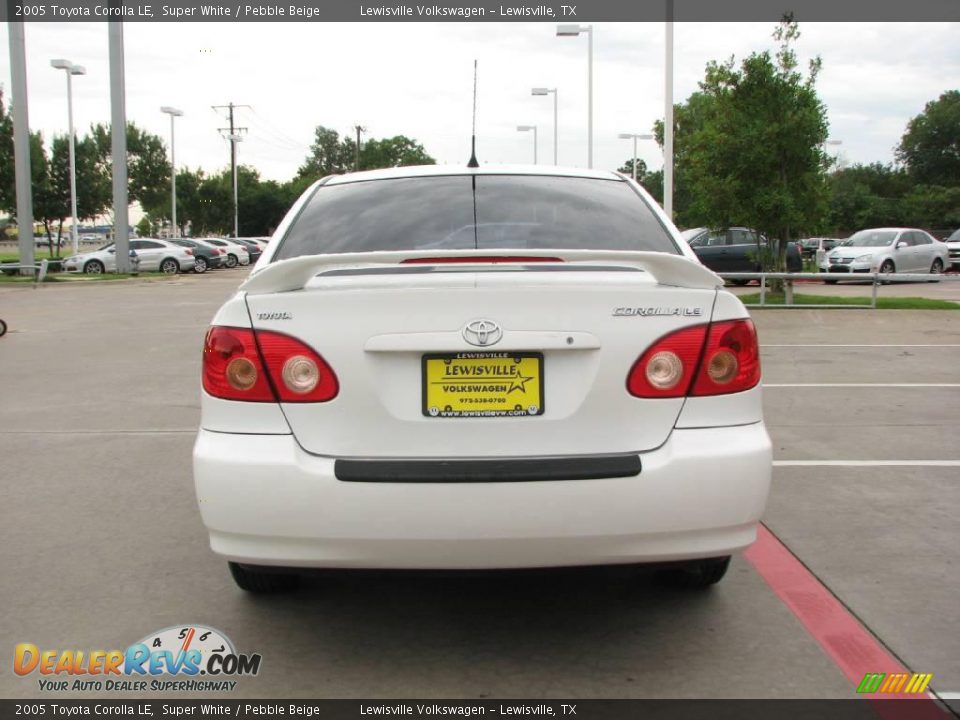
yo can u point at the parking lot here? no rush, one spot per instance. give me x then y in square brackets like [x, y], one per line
[102, 542]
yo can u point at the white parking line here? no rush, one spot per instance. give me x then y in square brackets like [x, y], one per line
[948, 695]
[866, 463]
[861, 385]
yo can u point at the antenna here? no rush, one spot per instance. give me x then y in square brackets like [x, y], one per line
[473, 134]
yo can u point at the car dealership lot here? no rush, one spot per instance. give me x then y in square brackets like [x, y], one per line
[103, 543]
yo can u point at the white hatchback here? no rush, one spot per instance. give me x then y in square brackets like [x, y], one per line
[479, 368]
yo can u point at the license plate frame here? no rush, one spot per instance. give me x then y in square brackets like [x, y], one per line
[431, 408]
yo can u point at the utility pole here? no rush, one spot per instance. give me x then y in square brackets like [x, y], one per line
[356, 163]
[233, 134]
[21, 144]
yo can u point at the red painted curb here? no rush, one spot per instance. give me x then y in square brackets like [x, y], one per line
[840, 635]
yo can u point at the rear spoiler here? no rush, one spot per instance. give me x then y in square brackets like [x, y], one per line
[295, 273]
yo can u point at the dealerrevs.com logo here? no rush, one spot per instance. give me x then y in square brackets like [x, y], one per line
[184, 658]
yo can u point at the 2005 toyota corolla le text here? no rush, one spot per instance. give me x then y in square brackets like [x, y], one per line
[618, 421]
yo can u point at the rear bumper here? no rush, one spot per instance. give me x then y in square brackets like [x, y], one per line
[265, 501]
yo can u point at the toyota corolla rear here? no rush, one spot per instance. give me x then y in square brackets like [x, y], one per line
[432, 368]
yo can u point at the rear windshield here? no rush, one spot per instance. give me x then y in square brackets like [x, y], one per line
[475, 212]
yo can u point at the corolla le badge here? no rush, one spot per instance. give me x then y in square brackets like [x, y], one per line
[482, 333]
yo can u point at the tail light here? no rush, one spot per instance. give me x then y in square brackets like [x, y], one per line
[264, 366]
[188, 251]
[714, 359]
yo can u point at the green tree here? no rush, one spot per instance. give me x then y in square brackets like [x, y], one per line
[398, 151]
[148, 170]
[145, 227]
[48, 200]
[932, 206]
[758, 158]
[689, 119]
[329, 155]
[627, 168]
[864, 196]
[8, 198]
[930, 148]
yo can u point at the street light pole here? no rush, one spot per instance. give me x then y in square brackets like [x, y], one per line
[70, 69]
[634, 137]
[573, 31]
[173, 113]
[527, 128]
[668, 117]
[548, 91]
[21, 143]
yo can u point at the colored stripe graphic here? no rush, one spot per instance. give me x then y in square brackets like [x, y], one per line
[840, 635]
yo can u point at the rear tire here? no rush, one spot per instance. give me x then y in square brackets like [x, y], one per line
[3, 328]
[199, 265]
[698, 574]
[887, 269]
[830, 282]
[253, 580]
[169, 266]
[936, 268]
[232, 261]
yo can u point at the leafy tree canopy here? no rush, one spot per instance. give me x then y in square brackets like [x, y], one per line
[930, 148]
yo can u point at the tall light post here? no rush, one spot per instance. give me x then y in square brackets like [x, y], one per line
[234, 139]
[528, 128]
[70, 69]
[173, 113]
[634, 137]
[573, 31]
[548, 91]
[668, 116]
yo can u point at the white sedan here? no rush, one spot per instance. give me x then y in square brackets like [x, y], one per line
[236, 253]
[153, 256]
[563, 385]
[886, 251]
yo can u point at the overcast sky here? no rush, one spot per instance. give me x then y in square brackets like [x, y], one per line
[415, 79]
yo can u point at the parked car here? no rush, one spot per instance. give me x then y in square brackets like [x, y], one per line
[953, 249]
[153, 255]
[809, 246]
[252, 247]
[236, 254]
[261, 241]
[736, 250]
[887, 251]
[205, 256]
[580, 391]
[41, 241]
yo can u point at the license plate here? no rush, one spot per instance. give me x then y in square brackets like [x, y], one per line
[483, 384]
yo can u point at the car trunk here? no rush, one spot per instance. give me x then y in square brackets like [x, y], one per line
[375, 328]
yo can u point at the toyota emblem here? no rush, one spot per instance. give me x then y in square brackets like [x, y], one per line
[482, 333]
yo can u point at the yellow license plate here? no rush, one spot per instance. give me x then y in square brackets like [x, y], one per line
[483, 384]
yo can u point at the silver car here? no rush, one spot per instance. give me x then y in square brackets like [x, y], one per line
[887, 251]
[236, 254]
[153, 256]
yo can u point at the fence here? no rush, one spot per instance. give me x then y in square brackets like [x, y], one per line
[875, 279]
[39, 270]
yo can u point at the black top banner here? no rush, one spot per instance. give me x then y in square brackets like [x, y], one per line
[572, 11]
